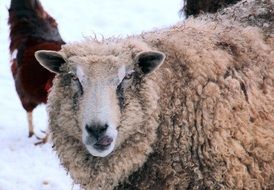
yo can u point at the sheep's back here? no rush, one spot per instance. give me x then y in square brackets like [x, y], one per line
[217, 123]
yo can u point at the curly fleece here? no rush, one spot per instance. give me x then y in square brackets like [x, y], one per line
[203, 120]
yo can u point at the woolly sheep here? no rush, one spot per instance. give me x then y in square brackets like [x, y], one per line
[186, 107]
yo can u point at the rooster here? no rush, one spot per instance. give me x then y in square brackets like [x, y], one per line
[31, 29]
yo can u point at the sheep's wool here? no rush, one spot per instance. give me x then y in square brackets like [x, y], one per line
[203, 120]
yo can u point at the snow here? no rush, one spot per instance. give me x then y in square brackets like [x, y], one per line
[37, 167]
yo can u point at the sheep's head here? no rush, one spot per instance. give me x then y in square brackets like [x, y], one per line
[102, 82]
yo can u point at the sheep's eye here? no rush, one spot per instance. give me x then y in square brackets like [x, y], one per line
[75, 78]
[129, 75]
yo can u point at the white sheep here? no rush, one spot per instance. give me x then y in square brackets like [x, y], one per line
[186, 107]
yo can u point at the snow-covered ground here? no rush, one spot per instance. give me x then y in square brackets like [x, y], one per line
[25, 166]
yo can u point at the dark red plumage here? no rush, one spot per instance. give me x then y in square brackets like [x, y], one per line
[31, 29]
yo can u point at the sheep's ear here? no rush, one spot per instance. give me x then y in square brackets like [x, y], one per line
[148, 61]
[51, 60]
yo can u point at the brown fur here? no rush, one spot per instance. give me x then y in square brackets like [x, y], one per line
[203, 120]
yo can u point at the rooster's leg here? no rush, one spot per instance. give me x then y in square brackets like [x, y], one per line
[43, 140]
[31, 131]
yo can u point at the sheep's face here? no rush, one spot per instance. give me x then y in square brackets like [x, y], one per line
[99, 105]
[102, 82]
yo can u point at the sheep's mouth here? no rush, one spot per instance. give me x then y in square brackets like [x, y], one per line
[100, 146]
[103, 143]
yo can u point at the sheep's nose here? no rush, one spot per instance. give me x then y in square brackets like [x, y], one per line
[96, 130]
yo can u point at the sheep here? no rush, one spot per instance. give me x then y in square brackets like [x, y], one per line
[185, 107]
[195, 7]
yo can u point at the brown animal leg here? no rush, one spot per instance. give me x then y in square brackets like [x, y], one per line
[31, 131]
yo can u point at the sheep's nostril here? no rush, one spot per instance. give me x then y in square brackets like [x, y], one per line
[88, 129]
[96, 130]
